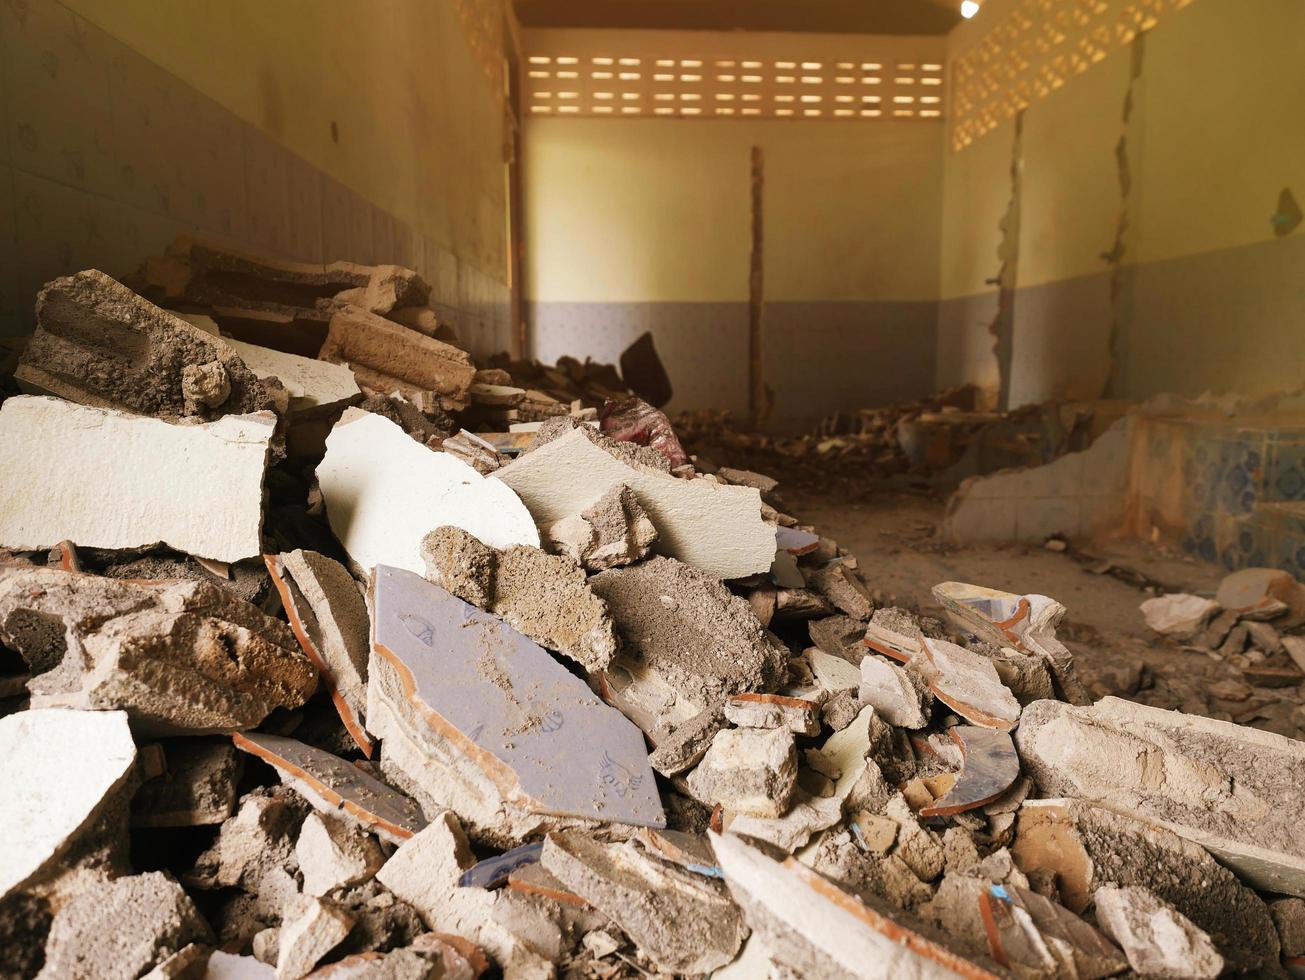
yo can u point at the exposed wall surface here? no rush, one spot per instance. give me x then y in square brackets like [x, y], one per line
[311, 130]
[1149, 173]
[645, 224]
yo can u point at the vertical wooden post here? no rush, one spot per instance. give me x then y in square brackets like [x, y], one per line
[757, 396]
[516, 201]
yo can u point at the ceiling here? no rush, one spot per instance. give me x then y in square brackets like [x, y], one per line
[822, 16]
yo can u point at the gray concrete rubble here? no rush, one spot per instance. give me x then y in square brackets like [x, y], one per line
[687, 643]
[715, 528]
[613, 532]
[968, 683]
[546, 597]
[197, 787]
[66, 775]
[334, 853]
[327, 612]
[308, 936]
[1158, 939]
[496, 718]
[121, 929]
[180, 657]
[801, 716]
[684, 923]
[747, 770]
[1227, 787]
[86, 324]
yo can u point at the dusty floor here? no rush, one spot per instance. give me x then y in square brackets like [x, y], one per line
[893, 534]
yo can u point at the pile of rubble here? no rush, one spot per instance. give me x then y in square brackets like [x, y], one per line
[334, 666]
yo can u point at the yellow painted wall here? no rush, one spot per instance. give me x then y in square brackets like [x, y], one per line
[659, 210]
[420, 128]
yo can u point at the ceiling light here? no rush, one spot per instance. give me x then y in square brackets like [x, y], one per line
[969, 8]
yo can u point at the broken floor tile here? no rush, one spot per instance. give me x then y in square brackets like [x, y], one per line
[687, 643]
[328, 614]
[100, 344]
[120, 929]
[1158, 939]
[834, 674]
[140, 481]
[181, 657]
[1086, 847]
[197, 789]
[989, 767]
[613, 532]
[691, 851]
[968, 683]
[715, 528]
[472, 685]
[796, 541]
[749, 771]
[1026, 622]
[384, 493]
[495, 871]
[684, 923]
[1236, 791]
[1179, 615]
[799, 715]
[309, 936]
[894, 633]
[1034, 936]
[62, 771]
[544, 596]
[331, 784]
[334, 853]
[1253, 593]
[898, 694]
[818, 930]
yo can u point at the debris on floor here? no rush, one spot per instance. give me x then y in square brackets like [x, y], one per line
[337, 654]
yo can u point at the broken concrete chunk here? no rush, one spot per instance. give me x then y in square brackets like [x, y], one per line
[845, 758]
[748, 770]
[1234, 790]
[314, 387]
[384, 493]
[899, 695]
[333, 853]
[181, 657]
[99, 344]
[842, 586]
[807, 815]
[989, 767]
[968, 683]
[614, 532]
[196, 488]
[1158, 939]
[1178, 615]
[717, 529]
[331, 785]
[683, 922]
[546, 597]
[328, 614]
[61, 772]
[1289, 918]
[1086, 847]
[470, 686]
[198, 788]
[388, 288]
[305, 939]
[120, 929]
[387, 357]
[687, 643]
[683, 746]
[1026, 622]
[799, 715]
[818, 930]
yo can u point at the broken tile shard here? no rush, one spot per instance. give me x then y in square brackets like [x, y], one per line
[1229, 788]
[139, 481]
[990, 766]
[328, 615]
[968, 683]
[544, 596]
[333, 785]
[478, 688]
[715, 528]
[799, 715]
[60, 770]
[180, 656]
[384, 493]
[1178, 615]
[684, 923]
[1158, 939]
[898, 694]
[101, 345]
